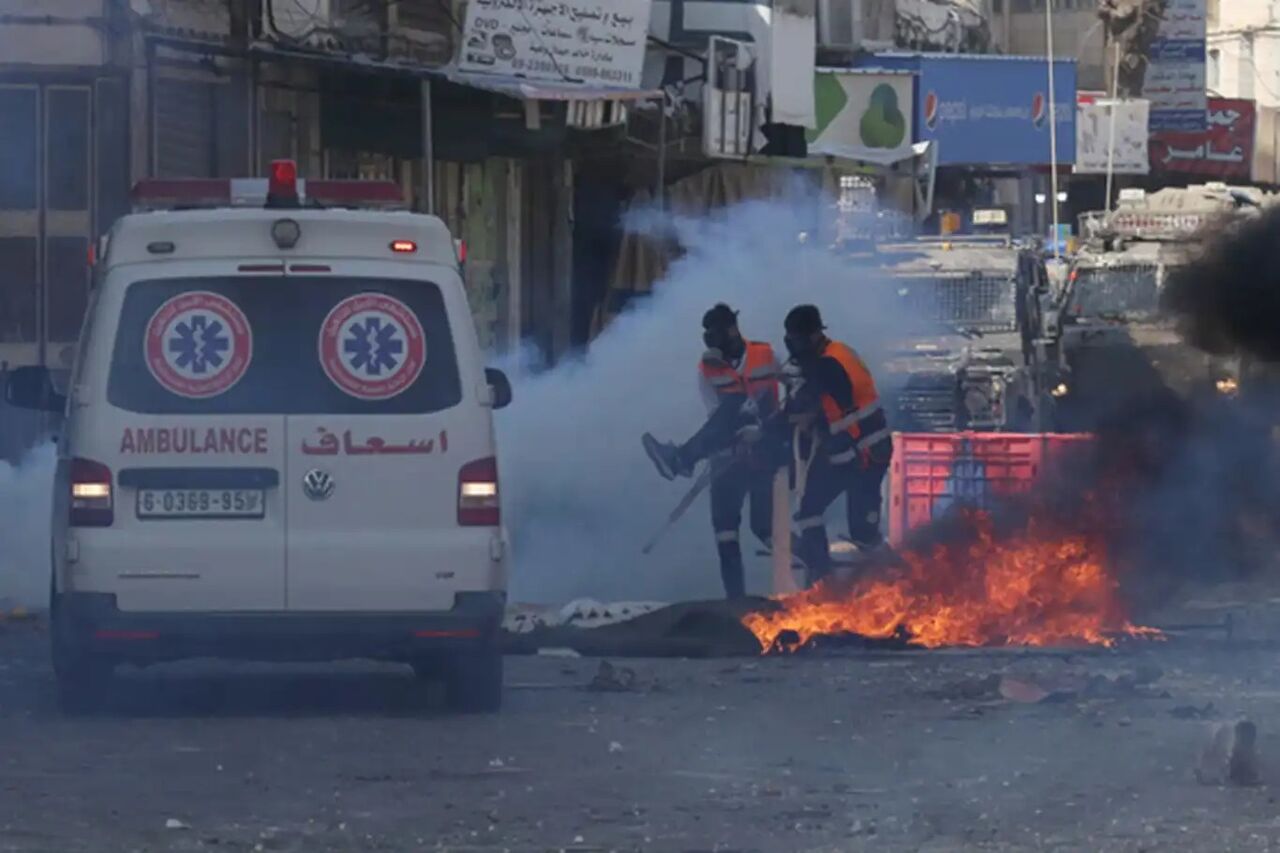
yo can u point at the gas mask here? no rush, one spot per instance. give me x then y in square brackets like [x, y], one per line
[802, 348]
[726, 341]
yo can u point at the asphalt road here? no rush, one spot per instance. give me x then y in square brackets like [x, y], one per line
[915, 751]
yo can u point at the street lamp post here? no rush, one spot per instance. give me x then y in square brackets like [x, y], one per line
[1053, 124]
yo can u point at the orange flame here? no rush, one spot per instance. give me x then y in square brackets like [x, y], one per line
[1033, 588]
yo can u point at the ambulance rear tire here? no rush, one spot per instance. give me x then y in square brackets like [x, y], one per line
[473, 683]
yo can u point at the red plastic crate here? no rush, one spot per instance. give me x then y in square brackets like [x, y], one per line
[933, 472]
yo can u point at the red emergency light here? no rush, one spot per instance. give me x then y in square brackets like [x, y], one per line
[282, 186]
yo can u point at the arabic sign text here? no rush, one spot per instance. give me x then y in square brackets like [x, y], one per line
[329, 444]
[1224, 149]
[597, 42]
[1122, 148]
[1175, 76]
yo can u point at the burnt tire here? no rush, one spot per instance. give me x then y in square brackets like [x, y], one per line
[473, 683]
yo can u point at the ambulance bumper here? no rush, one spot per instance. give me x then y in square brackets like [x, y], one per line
[92, 623]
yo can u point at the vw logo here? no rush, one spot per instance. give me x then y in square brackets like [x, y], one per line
[317, 484]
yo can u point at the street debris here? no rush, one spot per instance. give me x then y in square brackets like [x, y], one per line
[1192, 712]
[1231, 755]
[611, 679]
[974, 689]
[1071, 686]
[1018, 690]
[583, 613]
[691, 629]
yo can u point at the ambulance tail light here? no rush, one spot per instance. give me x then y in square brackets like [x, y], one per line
[91, 494]
[478, 504]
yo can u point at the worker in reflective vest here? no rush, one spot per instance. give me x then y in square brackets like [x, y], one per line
[852, 445]
[739, 384]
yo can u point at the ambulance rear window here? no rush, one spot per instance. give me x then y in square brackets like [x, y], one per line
[289, 345]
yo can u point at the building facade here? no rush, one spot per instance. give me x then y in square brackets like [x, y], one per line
[1244, 50]
[97, 94]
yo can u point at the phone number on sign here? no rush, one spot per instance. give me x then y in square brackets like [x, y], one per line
[581, 72]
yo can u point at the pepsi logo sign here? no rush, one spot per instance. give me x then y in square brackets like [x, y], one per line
[1038, 110]
[931, 110]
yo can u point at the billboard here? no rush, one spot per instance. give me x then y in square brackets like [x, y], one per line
[989, 110]
[596, 43]
[1175, 79]
[862, 115]
[1223, 149]
[1099, 145]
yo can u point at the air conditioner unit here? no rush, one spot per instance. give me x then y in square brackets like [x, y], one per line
[298, 20]
[728, 99]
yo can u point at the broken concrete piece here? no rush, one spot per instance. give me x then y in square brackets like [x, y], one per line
[1018, 690]
[611, 679]
[1231, 755]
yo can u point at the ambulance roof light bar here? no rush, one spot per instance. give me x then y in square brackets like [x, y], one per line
[282, 189]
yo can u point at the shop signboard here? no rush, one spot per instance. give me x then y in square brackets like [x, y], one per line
[1223, 149]
[584, 42]
[989, 110]
[862, 115]
[1101, 145]
[1174, 81]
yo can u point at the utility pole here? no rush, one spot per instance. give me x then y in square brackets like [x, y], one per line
[1053, 125]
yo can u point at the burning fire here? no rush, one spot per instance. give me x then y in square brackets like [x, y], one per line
[1034, 588]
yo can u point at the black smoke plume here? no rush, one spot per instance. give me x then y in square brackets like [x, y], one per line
[1227, 300]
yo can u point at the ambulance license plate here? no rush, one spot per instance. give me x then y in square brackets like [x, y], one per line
[200, 503]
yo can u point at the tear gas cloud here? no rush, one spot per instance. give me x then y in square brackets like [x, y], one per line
[580, 495]
[26, 498]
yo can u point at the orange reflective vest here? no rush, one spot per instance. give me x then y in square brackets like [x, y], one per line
[756, 378]
[865, 424]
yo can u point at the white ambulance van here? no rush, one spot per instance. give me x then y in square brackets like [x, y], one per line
[278, 442]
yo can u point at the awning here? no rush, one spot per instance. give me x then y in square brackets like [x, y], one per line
[525, 89]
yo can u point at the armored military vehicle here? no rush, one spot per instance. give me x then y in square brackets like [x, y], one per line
[1116, 342]
[980, 351]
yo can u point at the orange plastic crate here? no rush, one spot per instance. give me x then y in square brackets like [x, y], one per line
[933, 472]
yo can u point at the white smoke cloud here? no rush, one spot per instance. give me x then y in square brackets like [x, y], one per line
[580, 495]
[26, 501]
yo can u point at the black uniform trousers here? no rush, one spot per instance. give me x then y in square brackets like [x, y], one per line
[860, 482]
[738, 480]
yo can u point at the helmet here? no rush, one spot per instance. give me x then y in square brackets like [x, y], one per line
[804, 320]
[719, 318]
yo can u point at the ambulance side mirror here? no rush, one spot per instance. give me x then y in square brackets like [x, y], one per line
[500, 385]
[32, 388]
